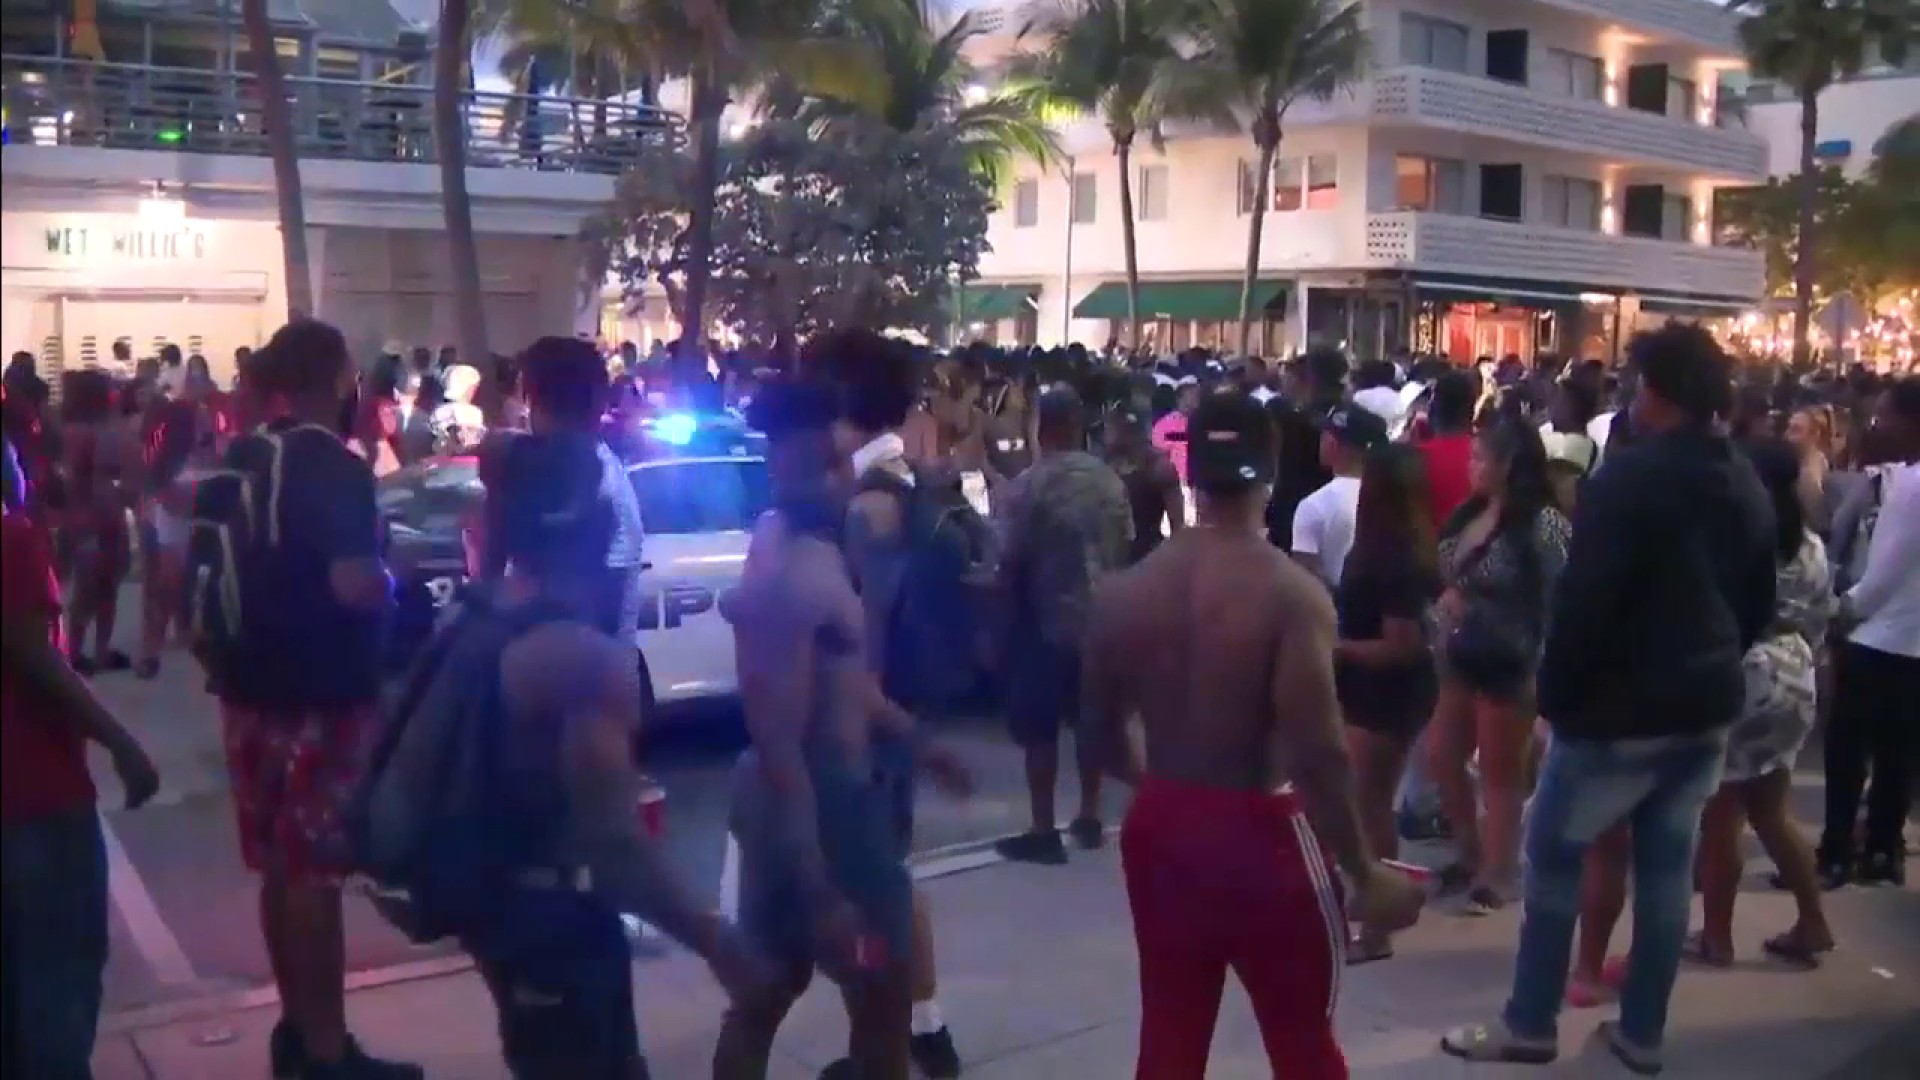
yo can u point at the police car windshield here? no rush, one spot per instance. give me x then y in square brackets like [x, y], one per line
[701, 496]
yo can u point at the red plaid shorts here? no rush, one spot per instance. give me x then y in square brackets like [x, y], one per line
[292, 773]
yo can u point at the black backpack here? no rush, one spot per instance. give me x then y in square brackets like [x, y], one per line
[234, 575]
[934, 624]
[429, 821]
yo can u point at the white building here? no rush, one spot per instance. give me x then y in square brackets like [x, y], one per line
[1512, 176]
[139, 204]
[1853, 117]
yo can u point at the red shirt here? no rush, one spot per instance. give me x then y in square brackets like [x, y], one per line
[1449, 481]
[43, 765]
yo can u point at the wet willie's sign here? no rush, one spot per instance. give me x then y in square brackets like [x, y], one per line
[167, 243]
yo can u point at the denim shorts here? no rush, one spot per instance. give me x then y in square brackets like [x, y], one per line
[862, 841]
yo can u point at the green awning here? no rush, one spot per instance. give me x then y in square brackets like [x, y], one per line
[991, 303]
[1197, 300]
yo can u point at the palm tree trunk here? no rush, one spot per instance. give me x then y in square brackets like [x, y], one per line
[1803, 251]
[1123, 147]
[277, 119]
[450, 136]
[1256, 226]
[709, 101]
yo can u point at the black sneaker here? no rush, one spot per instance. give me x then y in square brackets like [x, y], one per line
[935, 1055]
[1088, 833]
[1043, 847]
[357, 1064]
[1835, 875]
[1882, 868]
[285, 1052]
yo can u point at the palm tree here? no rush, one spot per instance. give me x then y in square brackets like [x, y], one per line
[1117, 60]
[277, 119]
[450, 61]
[1808, 45]
[1269, 54]
[722, 48]
[591, 49]
[921, 76]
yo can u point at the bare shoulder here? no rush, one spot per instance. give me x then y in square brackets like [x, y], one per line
[553, 666]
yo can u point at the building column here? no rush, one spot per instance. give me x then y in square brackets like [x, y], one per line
[1299, 329]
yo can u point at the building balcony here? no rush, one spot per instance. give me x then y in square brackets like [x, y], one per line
[64, 102]
[1425, 97]
[1697, 22]
[1453, 244]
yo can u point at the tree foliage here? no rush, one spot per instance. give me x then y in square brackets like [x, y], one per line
[1866, 235]
[870, 227]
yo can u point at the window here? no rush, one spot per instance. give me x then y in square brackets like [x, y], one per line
[1289, 184]
[1433, 184]
[1084, 199]
[701, 497]
[1507, 56]
[1647, 88]
[1568, 202]
[1026, 204]
[1434, 43]
[1323, 182]
[1676, 217]
[1572, 74]
[1641, 210]
[1681, 94]
[1152, 196]
[1503, 192]
[1247, 187]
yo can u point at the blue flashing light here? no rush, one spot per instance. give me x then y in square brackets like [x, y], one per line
[676, 429]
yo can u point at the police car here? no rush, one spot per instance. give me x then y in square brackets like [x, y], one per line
[699, 499]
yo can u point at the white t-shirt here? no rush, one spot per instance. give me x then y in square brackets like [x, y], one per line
[1323, 526]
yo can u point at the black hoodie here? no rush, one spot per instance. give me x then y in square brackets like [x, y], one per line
[1669, 580]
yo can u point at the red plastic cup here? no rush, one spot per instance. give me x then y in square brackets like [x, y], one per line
[652, 809]
[1420, 875]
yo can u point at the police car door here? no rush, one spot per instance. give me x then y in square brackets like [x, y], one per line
[698, 514]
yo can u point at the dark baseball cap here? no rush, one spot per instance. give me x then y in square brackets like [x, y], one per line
[1359, 428]
[1231, 444]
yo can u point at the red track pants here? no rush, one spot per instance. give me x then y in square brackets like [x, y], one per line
[1222, 879]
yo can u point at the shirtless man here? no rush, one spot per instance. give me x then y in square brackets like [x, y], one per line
[824, 882]
[1222, 866]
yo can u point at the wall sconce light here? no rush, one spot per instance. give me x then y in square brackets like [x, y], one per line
[1608, 220]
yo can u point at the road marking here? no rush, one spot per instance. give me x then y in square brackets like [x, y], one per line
[155, 941]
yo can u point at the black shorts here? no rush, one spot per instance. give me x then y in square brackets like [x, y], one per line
[561, 978]
[1043, 691]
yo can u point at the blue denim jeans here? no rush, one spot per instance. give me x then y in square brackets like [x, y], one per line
[1658, 787]
[53, 923]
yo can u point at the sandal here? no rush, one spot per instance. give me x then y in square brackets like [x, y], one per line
[1587, 994]
[1493, 1042]
[1695, 951]
[1791, 948]
[1638, 1059]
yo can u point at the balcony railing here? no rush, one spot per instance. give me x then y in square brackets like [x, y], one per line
[59, 102]
[1465, 245]
[1477, 106]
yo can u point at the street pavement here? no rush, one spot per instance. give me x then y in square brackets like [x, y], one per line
[1038, 972]
[1039, 982]
[183, 924]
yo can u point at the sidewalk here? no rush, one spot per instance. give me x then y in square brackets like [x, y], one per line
[1038, 980]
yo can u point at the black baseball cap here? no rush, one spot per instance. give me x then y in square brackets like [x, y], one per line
[1359, 428]
[1231, 444]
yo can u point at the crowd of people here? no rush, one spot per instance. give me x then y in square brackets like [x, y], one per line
[1578, 620]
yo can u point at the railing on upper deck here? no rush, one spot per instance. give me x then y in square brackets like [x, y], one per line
[65, 102]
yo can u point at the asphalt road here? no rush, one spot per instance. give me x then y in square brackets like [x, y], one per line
[184, 923]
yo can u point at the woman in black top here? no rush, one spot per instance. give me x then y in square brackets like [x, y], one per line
[1383, 662]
